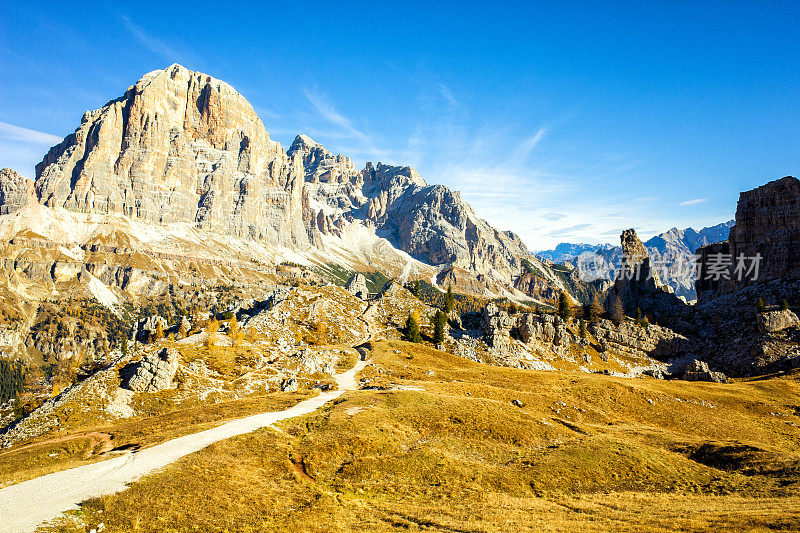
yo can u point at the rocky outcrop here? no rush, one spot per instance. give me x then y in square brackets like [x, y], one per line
[153, 373]
[178, 146]
[632, 339]
[637, 282]
[496, 325]
[673, 251]
[357, 286]
[146, 328]
[768, 228]
[698, 370]
[549, 329]
[774, 321]
[15, 191]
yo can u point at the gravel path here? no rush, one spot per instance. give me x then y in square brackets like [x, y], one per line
[26, 505]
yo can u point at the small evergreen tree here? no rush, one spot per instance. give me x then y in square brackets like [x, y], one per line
[582, 328]
[513, 309]
[449, 303]
[159, 334]
[617, 311]
[785, 305]
[124, 347]
[412, 327]
[439, 326]
[762, 306]
[596, 308]
[564, 310]
[638, 316]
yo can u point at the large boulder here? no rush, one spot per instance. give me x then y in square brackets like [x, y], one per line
[774, 321]
[698, 370]
[153, 373]
[357, 286]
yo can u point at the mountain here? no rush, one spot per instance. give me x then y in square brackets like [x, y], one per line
[181, 147]
[672, 253]
[566, 251]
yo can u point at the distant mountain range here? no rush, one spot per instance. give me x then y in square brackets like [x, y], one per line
[673, 247]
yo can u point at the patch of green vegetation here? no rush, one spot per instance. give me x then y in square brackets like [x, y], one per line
[12, 379]
[339, 275]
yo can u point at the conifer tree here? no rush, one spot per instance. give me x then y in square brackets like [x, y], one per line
[412, 327]
[596, 309]
[439, 326]
[582, 328]
[564, 310]
[159, 334]
[448, 300]
[617, 311]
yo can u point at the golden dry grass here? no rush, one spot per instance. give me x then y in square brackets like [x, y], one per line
[63, 450]
[578, 452]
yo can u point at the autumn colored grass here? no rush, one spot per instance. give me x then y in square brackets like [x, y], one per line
[459, 446]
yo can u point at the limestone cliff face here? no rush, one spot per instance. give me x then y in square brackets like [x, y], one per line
[767, 225]
[178, 146]
[181, 146]
[430, 222]
[15, 191]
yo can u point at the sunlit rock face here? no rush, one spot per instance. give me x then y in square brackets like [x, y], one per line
[15, 191]
[178, 146]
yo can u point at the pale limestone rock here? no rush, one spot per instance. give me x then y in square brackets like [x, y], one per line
[179, 146]
[15, 191]
[154, 372]
[357, 285]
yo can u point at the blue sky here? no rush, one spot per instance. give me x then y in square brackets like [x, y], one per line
[560, 121]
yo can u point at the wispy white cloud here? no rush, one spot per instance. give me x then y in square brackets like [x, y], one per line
[172, 52]
[11, 132]
[21, 148]
[693, 201]
[452, 103]
[353, 141]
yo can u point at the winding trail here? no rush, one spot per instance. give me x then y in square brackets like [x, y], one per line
[26, 505]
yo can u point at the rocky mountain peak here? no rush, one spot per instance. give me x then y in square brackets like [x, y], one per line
[320, 164]
[178, 146]
[16, 191]
[632, 246]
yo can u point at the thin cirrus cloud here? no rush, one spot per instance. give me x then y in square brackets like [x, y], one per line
[21, 148]
[693, 201]
[11, 132]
